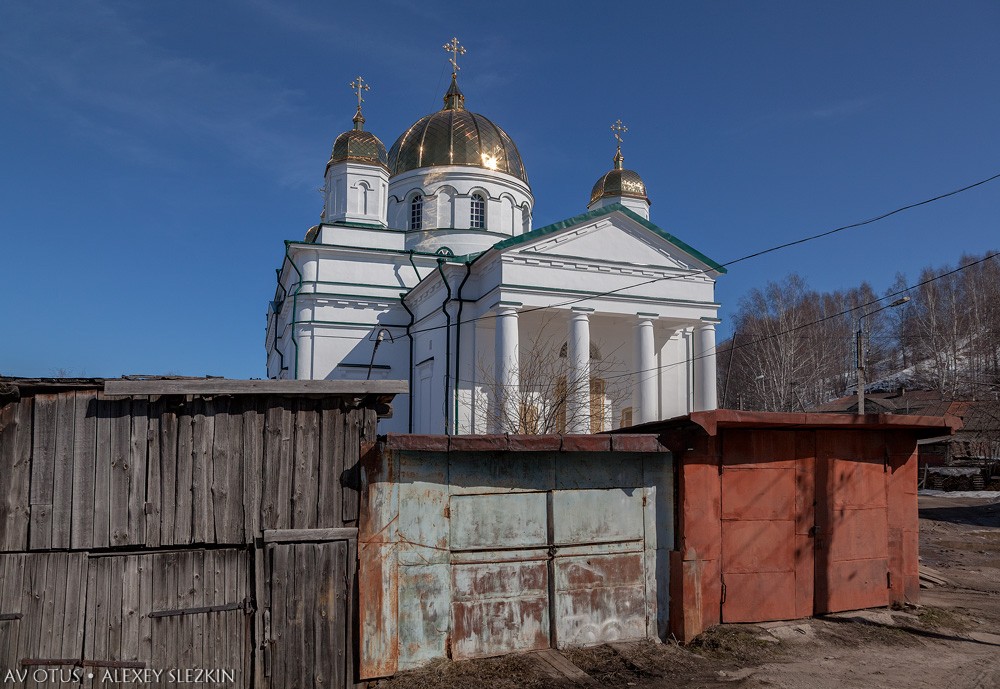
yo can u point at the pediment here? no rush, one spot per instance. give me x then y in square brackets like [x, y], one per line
[612, 239]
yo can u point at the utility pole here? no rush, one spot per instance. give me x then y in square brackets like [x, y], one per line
[860, 349]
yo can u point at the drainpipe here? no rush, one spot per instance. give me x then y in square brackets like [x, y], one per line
[458, 336]
[295, 308]
[447, 345]
[281, 355]
[414, 266]
[409, 378]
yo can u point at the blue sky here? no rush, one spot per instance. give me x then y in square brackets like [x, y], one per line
[155, 155]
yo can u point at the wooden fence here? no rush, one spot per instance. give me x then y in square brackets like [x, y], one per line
[211, 533]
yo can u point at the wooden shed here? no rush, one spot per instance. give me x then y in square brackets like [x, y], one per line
[783, 516]
[173, 525]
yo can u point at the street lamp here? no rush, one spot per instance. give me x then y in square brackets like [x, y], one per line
[861, 351]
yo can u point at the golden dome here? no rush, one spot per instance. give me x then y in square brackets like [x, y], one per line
[619, 182]
[455, 136]
[357, 144]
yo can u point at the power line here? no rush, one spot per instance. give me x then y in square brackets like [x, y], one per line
[755, 254]
[796, 328]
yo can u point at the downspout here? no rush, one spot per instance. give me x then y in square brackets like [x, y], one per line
[458, 336]
[417, 272]
[295, 308]
[409, 378]
[281, 355]
[447, 345]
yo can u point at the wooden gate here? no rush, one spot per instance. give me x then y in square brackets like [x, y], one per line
[169, 612]
[307, 618]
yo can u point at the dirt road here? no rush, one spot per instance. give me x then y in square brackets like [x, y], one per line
[950, 641]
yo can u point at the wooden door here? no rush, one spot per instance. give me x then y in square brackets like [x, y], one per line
[307, 621]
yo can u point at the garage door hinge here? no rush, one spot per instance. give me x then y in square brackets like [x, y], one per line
[888, 580]
[723, 593]
[447, 512]
[7, 616]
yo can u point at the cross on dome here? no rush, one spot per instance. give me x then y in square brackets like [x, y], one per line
[359, 86]
[456, 49]
[617, 129]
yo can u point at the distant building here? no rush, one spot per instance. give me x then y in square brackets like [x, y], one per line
[427, 253]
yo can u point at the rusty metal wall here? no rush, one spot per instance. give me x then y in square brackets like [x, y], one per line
[481, 553]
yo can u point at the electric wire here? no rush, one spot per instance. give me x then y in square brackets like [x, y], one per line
[747, 257]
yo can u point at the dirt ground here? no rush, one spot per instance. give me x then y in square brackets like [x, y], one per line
[950, 641]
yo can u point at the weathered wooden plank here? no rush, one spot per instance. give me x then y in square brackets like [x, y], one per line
[76, 599]
[310, 535]
[152, 506]
[84, 458]
[169, 466]
[54, 606]
[253, 456]
[145, 651]
[102, 473]
[218, 386]
[279, 573]
[12, 569]
[273, 442]
[184, 645]
[93, 605]
[204, 431]
[283, 466]
[116, 612]
[137, 470]
[220, 466]
[164, 597]
[121, 446]
[33, 596]
[43, 455]
[213, 645]
[62, 478]
[331, 465]
[308, 565]
[304, 466]
[201, 560]
[15, 467]
[297, 623]
[262, 617]
[131, 607]
[353, 420]
[183, 487]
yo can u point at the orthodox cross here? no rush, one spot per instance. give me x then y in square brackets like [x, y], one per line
[456, 49]
[618, 129]
[359, 86]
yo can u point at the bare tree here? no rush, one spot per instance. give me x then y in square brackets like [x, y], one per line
[546, 387]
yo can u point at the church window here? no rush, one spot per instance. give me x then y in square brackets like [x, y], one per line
[478, 219]
[417, 212]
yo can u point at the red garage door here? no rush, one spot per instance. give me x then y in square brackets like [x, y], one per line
[852, 533]
[804, 524]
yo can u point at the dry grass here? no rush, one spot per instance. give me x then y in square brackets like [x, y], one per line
[746, 645]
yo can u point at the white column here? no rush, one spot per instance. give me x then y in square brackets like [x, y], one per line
[704, 368]
[645, 393]
[578, 376]
[506, 367]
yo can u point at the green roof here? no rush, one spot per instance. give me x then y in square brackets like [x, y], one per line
[610, 208]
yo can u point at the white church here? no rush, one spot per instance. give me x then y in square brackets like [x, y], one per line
[425, 267]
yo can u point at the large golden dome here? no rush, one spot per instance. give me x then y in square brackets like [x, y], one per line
[455, 136]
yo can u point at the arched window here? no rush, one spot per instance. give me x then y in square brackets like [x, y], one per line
[417, 212]
[478, 214]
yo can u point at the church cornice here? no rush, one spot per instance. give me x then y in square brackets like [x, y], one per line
[605, 267]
